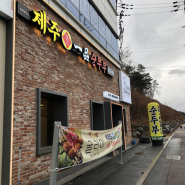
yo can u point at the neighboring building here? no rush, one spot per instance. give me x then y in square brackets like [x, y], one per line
[6, 77]
[65, 69]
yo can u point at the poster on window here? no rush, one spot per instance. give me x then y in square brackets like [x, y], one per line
[125, 89]
[80, 146]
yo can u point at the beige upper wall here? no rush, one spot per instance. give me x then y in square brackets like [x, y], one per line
[108, 12]
[2, 79]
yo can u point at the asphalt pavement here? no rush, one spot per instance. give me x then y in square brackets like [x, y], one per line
[142, 164]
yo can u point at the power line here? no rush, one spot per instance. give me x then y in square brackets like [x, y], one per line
[152, 7]
[167, 66]
[166, 69]
[161, 69]
[157, 47]
[153, 4]
[158, 50]
[163, 48]
[150, 13]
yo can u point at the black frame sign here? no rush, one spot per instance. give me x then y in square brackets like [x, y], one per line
[38, 19]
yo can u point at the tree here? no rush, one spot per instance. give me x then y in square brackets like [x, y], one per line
[140, 80]
[126, 61]
[154, 88]
[183, 113]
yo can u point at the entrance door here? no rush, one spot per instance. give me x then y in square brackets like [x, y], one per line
[113, 115]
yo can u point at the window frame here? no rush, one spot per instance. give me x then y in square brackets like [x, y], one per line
[91, 11]
[74, 3]
[75, 8]
[84, 12]
[125, 120]
[113, 5]
[92, 113]
[44, 150]
[103, 34]
[92, 26]
[109, 41]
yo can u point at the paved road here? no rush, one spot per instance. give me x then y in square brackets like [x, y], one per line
[137, 163]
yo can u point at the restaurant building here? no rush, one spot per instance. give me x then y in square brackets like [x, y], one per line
[65, 68]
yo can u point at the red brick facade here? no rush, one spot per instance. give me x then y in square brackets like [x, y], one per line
[40, 62]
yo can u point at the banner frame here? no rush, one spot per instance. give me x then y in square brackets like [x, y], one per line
[54, 158]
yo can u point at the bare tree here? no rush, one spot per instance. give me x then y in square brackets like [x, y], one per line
[153, 89]
[126, 61]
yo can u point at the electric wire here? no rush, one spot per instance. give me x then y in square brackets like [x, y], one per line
[153, 4]
[161, 69]
[150, 13]
[152, 7]
[165, 69]
[158, 50]
[156, 47]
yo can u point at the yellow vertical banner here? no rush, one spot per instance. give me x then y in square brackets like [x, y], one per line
[155, 123]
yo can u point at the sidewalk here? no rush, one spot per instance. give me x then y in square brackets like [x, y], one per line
[142, 164]
[170, 171]
[135, 162]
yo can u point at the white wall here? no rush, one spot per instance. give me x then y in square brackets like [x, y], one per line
[2, 79]
[108, 12]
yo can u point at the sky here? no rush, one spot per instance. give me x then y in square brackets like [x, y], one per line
[158, 42]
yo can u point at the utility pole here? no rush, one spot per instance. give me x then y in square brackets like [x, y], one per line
[184, 12]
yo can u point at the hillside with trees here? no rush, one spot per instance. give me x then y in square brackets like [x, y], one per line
[143, 88]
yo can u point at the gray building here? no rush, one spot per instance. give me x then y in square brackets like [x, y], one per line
[6, 61]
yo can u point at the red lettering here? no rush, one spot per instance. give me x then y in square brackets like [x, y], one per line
[108, 145]
[104, 68]
[93, 59]
[99, 63]
[115, 142]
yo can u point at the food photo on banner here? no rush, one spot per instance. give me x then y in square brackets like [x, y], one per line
[78, 146]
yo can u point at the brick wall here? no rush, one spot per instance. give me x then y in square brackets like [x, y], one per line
[40, 62]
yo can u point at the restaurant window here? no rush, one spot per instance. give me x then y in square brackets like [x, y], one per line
[114, 43]
[63, 2]
[89, 17]
[51, 107]
[73, 9]
[76, 3]
[102, 27]
[113, 3]
[103, 41]
[94, 18]
[94, 32]
[85, 22]
[84, 6]
[108, 34]
[109, 47]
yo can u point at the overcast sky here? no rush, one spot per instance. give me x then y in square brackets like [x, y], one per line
[147, 34]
